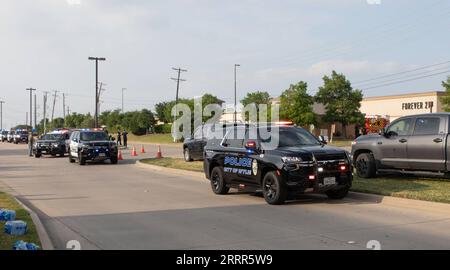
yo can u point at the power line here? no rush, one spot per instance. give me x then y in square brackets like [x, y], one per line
[369, 84]
[400, 73]
[403, 81]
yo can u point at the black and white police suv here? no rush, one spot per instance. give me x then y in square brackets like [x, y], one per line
[298, 164]
[52, 143]
[92, 145]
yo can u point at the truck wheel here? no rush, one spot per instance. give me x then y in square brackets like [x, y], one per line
[365, 166]
[187, 155]
[217, 182]
[114, 160]
[71, 160]
[338, 194]
[274, 190]
[82, 159]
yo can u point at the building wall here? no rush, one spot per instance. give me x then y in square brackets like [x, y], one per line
[397, 106]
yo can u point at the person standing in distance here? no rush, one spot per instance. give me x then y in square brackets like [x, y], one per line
[119, 138]
[125, 138]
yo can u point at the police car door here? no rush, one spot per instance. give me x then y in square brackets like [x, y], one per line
[237, 166]
[74, 144]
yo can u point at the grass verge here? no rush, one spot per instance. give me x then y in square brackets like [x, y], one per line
[7, 241]
[176, 163]
[409, 187]
[152, 138]
[341, 143]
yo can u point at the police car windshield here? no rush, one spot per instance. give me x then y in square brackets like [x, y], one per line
[293, 136]
[22, 132]
[93, 136]
[52, 137]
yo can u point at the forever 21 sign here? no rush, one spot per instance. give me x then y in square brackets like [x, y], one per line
[418, 105]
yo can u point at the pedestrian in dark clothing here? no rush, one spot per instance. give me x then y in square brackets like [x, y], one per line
[125, 138]
[119, 138]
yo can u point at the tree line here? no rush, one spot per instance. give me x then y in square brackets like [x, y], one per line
[342, 105]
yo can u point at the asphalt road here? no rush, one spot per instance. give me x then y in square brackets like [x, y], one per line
[128, 207]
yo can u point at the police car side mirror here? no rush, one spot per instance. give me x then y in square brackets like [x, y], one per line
[323, 140]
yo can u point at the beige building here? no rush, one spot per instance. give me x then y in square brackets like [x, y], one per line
[393, 107]
[388, 107]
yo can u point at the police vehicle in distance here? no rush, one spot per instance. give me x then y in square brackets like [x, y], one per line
[92, 145]
[298, 164]
[20, 136]
[53, 143]
[10, 136]
[3, 135]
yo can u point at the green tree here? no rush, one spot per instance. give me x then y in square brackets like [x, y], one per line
[445, 100]
[297, 105]
[342, 103]
[258, 98]
[161, 112]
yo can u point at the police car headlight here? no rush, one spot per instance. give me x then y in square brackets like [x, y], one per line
[55, 145]
[291, 159]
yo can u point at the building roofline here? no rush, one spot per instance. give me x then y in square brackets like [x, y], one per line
[423, 94]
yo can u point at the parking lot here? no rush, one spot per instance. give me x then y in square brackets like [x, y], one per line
[129, 207]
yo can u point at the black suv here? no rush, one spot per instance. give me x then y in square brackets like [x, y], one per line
[53, 143]
[92, 145]
[299, 163]
[193, 146]
[21, 136]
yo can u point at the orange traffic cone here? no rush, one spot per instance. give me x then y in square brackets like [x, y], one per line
[159, 153]
[120, 156]
[142, 149]
[134, 153]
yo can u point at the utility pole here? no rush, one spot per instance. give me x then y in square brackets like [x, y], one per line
[30, 141]
[235, 92]
[96, 59]
[1, 114]
[54, 103]
[178, 80]
[26, 119]
[68, 110]
[64, 105]
[35, 112]
[31, 105]
[100, 90]
[45, 111]
[123, 89]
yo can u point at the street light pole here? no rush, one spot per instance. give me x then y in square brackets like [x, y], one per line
[96, 59]
[123, 89]
[30, 141]
[235, 92]
[1, 114]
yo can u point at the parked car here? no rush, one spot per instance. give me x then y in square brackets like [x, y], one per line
[53, 143]
[300, 163]
[10, 136]
[92, 145]
[21, 136]
[411, 144]
[3, 136]
[193, 146]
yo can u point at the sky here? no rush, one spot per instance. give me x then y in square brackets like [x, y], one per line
[45, 44]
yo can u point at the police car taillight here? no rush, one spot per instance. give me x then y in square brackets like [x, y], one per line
[312, 177]
[343, 168]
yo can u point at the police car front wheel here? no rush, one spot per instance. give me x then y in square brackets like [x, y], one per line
[274, 191]
[217, 182]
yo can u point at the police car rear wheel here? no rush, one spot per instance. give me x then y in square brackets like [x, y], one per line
[82, 159]
[187, 155]
[274, 191]
[217, 182]
[338, 194]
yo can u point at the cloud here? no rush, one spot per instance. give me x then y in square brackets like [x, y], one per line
[73, 2]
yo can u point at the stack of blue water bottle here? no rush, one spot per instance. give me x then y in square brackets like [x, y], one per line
[16, 228]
